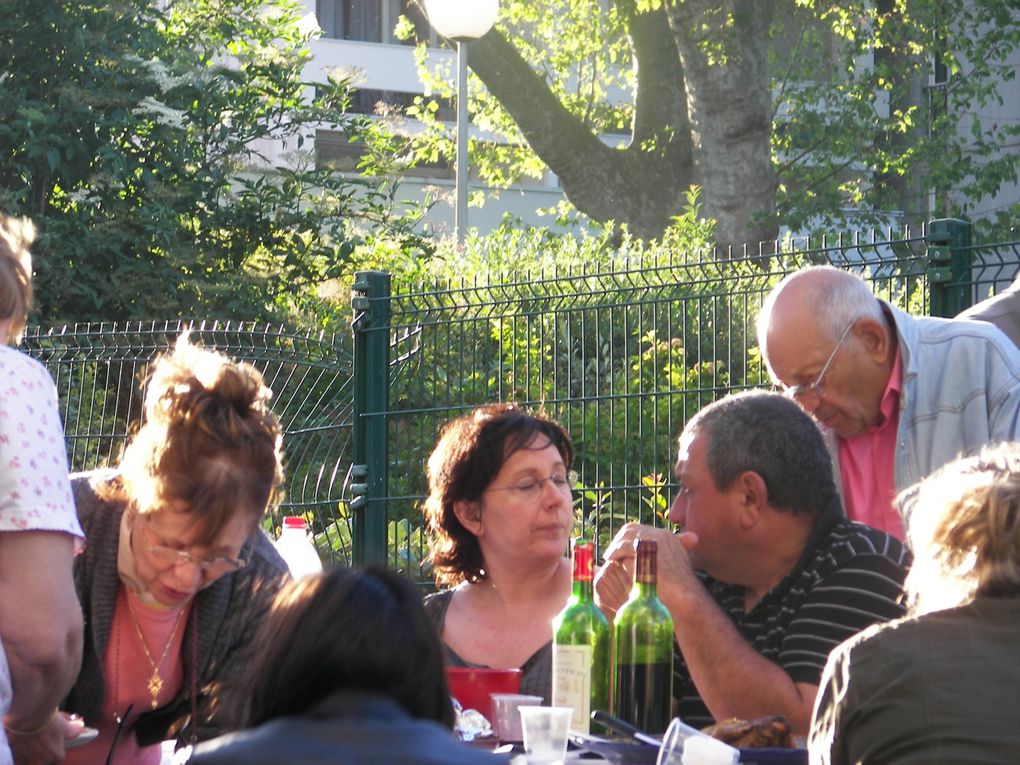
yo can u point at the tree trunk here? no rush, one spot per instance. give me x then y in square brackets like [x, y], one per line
[696, 121]
[723, 47]
[635, 186]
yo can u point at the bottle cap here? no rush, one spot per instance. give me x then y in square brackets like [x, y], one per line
[295, 522]
[647, 556]
[584, 561]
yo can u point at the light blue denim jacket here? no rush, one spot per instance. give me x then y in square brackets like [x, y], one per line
[961, 390]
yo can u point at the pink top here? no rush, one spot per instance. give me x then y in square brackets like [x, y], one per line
[35, 494]
[867, 464]
[126, 675]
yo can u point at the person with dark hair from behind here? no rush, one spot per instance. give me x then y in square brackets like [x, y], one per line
[940, 685]
[349, 672]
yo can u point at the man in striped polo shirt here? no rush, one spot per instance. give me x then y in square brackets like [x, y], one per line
[766, 576]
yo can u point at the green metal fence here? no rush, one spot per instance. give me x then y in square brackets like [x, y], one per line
[622, 358]
[100, 369]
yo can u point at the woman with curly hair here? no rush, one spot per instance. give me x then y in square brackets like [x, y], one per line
[177, 576]
[499, 512]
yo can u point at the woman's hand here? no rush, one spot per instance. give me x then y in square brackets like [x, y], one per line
[46, 744]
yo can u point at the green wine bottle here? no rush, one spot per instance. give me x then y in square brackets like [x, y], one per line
[580, 655]
[644, 650]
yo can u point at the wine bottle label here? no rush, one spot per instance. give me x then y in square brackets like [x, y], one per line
[572, 683]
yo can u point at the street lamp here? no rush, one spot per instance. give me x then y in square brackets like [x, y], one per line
[462, 21]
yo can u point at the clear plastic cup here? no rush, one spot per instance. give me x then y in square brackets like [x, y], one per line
[545, 734]
[684, 745]
[506, 720]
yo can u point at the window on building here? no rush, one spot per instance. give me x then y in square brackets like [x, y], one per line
[372, 20]
[334, 151]
[371, 101]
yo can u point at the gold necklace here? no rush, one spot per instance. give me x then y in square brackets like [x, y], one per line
[155, 684]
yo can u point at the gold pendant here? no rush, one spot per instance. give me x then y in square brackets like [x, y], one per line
[155, 686]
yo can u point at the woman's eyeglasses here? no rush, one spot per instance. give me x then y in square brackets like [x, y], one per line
[216, 565]
[531, 489]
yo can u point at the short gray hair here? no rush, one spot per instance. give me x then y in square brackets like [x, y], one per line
[767, 433]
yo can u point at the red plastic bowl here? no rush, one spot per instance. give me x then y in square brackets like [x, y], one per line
[472, 687]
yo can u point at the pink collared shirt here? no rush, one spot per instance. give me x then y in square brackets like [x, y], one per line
[867, 464]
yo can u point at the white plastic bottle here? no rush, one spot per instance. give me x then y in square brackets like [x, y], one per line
[296, 547]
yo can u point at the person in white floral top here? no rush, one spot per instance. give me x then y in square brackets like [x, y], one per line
[40, 618]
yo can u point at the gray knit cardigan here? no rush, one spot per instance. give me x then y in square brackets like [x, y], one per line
[221, 630]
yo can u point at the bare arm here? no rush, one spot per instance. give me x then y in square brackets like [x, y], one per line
[41, 628]
[732, 678]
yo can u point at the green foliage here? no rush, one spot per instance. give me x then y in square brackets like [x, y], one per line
[858, 131]
[166, 158]
[876, 135]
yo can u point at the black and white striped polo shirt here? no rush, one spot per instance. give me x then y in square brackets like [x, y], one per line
[848, 577]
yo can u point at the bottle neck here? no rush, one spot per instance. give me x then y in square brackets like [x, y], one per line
[582, 589]
[583, 570]
[644, 589]
[646, 570]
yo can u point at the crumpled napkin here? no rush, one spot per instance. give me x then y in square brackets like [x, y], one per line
[470, 723]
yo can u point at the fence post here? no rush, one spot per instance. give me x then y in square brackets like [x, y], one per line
[949, 279]
[371, 308]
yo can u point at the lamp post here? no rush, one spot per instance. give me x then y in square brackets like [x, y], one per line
[462, 21]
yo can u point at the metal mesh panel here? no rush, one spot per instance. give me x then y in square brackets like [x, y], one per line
[100, 370]
[993, 267]
[621, 358]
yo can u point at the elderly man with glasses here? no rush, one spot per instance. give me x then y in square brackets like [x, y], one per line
[898, 396]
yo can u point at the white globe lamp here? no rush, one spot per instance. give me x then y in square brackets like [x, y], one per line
[462, 21]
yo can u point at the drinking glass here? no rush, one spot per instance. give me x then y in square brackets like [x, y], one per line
[506, 720]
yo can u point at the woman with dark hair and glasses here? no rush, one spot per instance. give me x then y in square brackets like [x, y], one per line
[500, 515]
[177, 575]
[349, 671]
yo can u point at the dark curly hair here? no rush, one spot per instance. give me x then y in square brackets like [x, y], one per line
[471, 451]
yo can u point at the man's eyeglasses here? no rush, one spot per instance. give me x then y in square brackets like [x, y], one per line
[531, 489]
[799, 392]
[213, 566]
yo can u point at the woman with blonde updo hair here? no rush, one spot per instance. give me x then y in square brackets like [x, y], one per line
[177, 576]
[940, 685]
